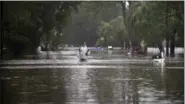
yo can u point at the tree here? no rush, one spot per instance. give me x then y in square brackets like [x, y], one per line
[86, 22]
[151, 20]
[120, 30]
[26, 22]
[104, 32]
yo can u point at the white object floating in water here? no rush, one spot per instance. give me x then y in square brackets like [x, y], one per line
[129, 53]
[110, 47]
[159, 60]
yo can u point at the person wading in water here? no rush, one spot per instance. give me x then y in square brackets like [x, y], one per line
[83, 50]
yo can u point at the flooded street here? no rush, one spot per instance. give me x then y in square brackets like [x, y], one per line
[107, 77]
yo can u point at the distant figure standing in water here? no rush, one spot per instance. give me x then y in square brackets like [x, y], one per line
[83, 51]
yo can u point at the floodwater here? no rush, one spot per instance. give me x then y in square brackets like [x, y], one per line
[107, 77]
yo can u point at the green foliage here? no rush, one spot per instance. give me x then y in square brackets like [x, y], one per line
[115, 30]
[104, 31]
[86, 22]
[149, 21]
[27, 22]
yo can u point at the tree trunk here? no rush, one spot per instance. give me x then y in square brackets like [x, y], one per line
[105, 38]
[124, 19]
[123, 11]
[121, 39]
[122, 45]
[167, 35]
[172, 46]
[145, 50]
[167, 46]
[47, 41]
[172, 50]
[161, 48]
[130, 45]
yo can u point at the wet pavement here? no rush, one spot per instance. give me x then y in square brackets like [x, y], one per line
[107, 77]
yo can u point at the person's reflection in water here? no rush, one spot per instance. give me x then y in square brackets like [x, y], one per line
[79, 89]
[47, 55]
[109, 52]
[103, 87]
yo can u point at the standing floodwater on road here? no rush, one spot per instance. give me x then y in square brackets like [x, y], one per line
[79, 52]
[58, 77]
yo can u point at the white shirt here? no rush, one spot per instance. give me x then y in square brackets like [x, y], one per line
[83, 49]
